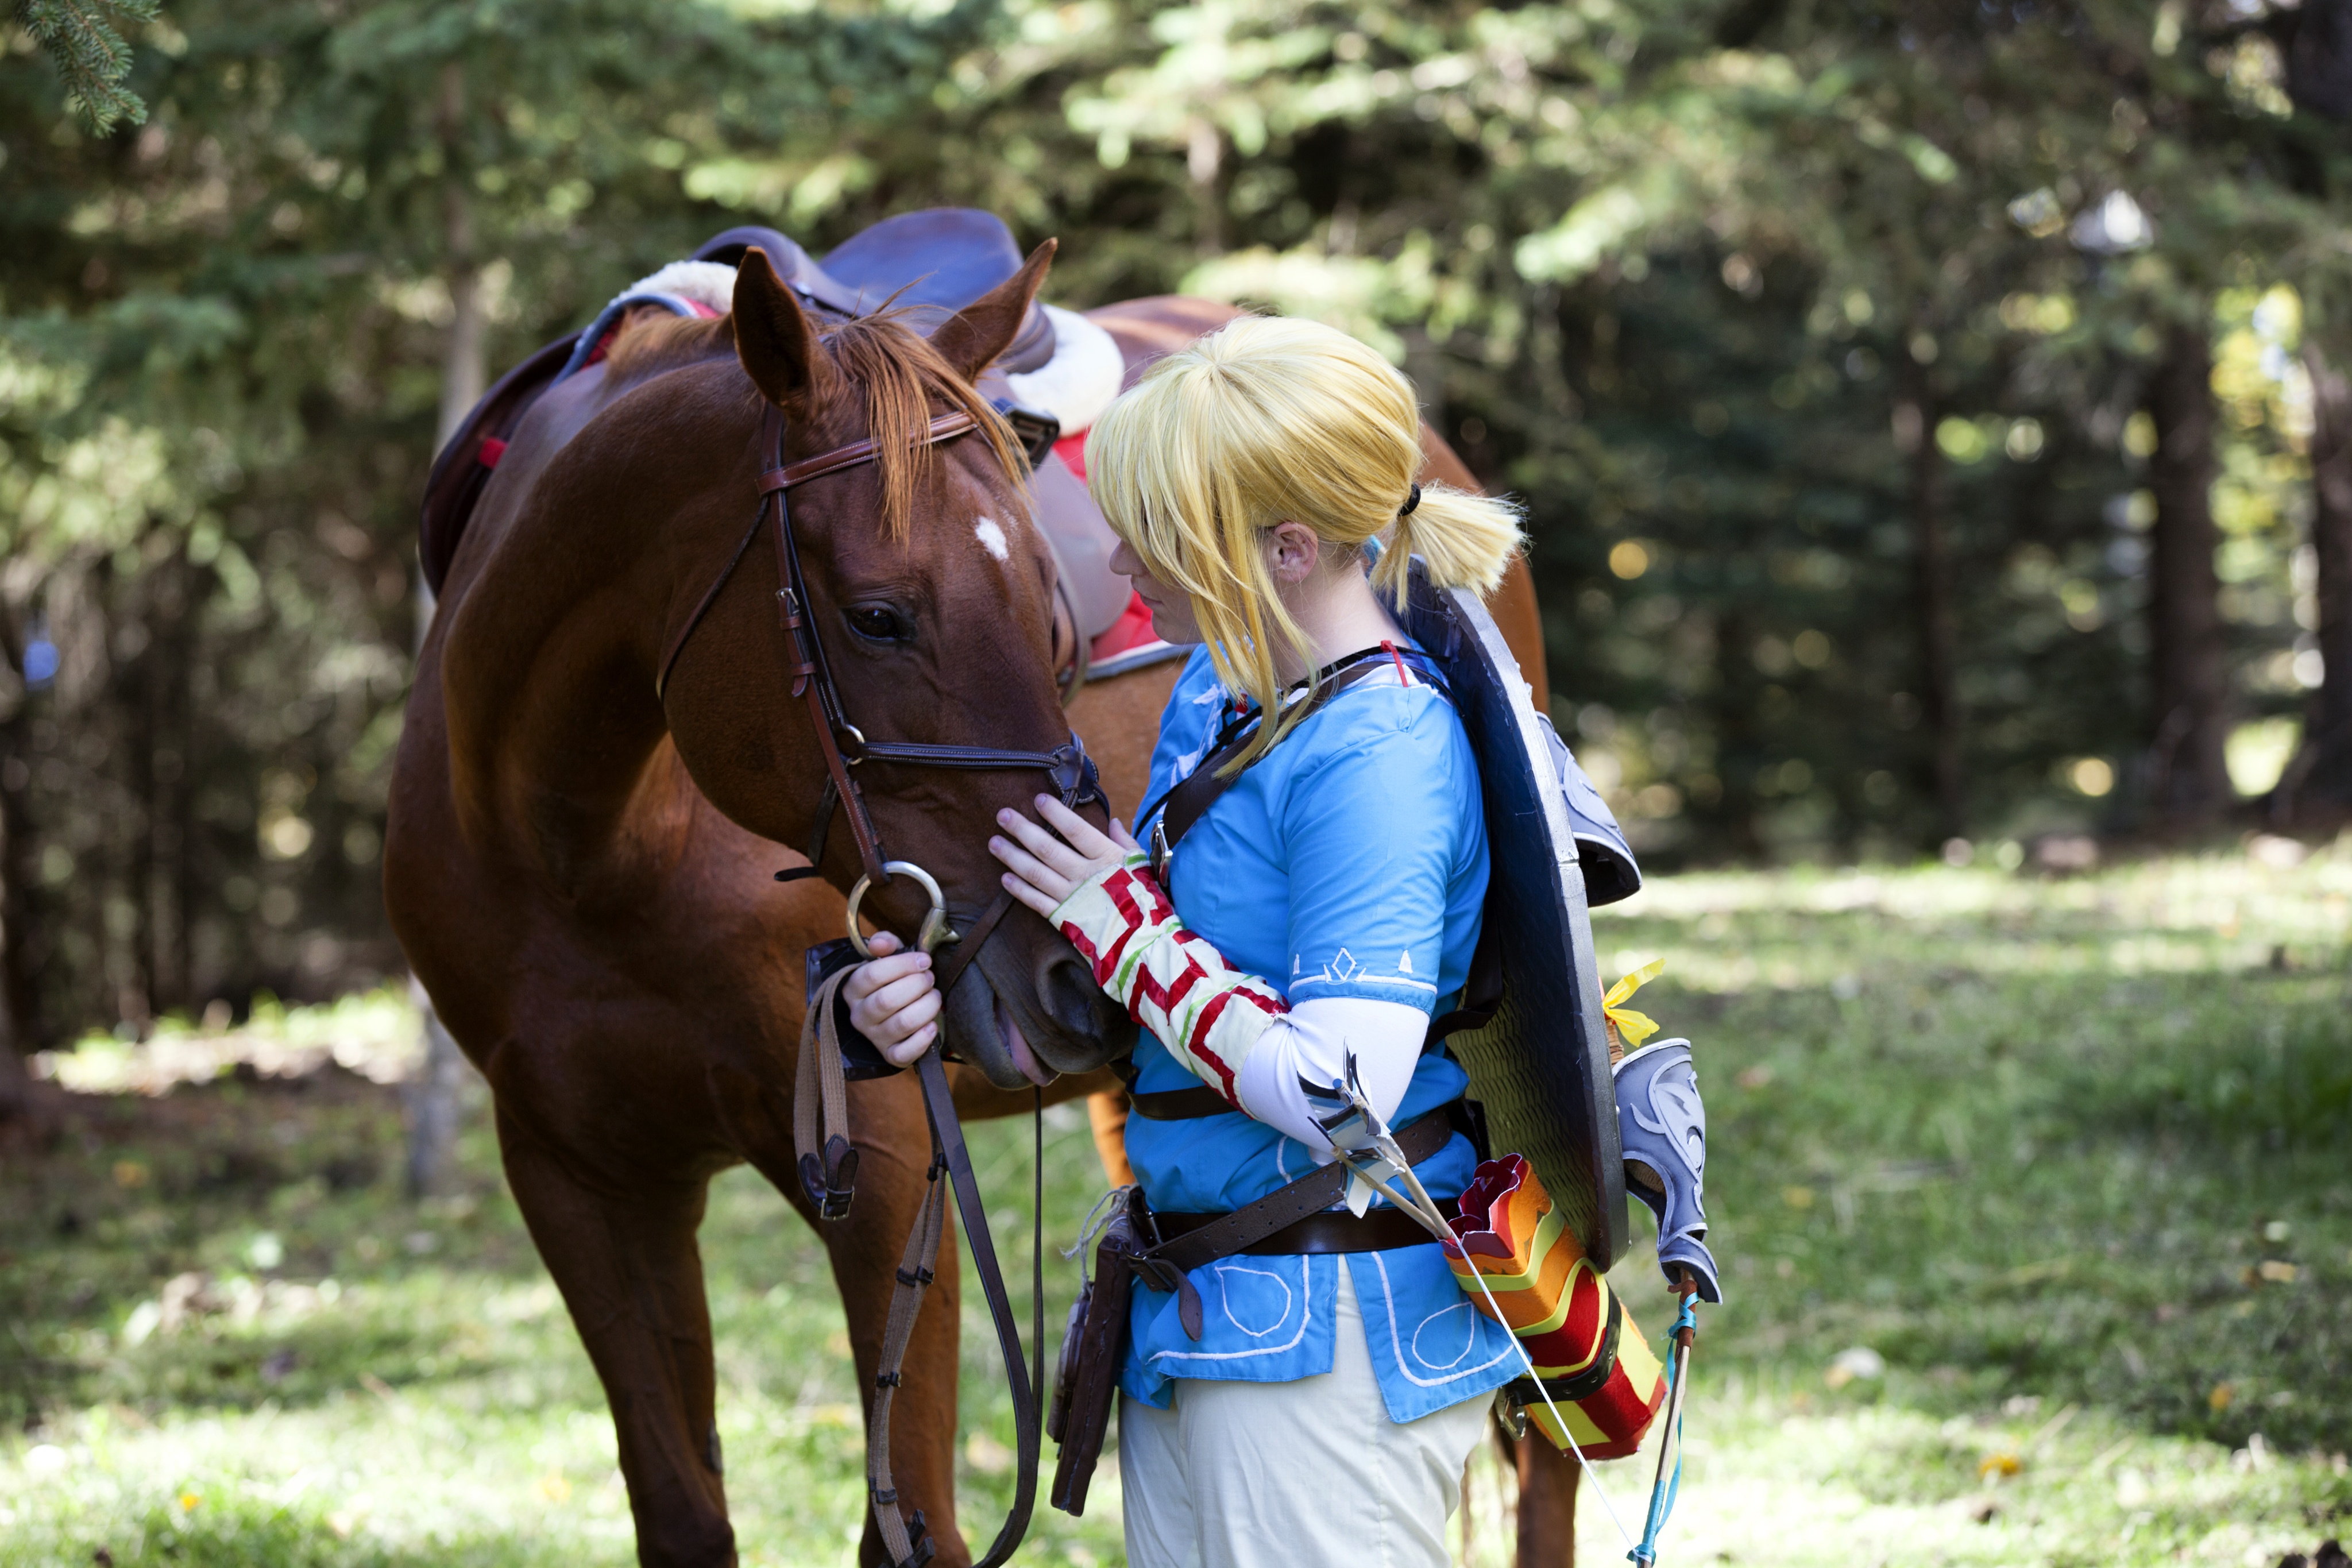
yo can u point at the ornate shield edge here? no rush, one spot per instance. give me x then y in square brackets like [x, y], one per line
[1540, 1067]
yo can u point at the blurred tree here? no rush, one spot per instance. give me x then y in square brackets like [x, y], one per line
[2321, 777]
[1813, 337]
[2188, 780]
[84, 41]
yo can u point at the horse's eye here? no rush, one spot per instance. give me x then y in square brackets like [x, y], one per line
[878, 621]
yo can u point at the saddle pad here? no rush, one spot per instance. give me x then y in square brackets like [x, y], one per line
[464, 465]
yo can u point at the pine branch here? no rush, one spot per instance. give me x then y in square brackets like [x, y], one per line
[84, 42]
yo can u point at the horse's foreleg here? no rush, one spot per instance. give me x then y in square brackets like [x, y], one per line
[1547, 1483]
[632, 1276]
[886, 1119]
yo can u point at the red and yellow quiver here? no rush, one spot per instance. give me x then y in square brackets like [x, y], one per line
[1593, 1361]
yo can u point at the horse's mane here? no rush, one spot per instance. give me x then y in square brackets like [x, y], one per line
[902, 374]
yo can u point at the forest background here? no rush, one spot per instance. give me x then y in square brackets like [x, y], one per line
[1932, 417]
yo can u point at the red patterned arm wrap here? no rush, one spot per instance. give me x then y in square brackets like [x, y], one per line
[1172, 982]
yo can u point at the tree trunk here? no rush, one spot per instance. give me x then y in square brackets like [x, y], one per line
[20, 996]
[176, 765]
[136, 696]
[433, 1095]
[2188, 780]
[1931, 598]
[2321, 777]
[464, 368]
[1204, 160]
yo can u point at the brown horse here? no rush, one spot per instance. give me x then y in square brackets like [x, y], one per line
[581, 872]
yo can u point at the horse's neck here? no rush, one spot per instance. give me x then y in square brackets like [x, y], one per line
[558, 743]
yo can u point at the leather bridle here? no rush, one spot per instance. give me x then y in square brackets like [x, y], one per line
[843, 744]
[846, 749]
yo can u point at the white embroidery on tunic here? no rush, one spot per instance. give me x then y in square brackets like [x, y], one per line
[1305, 1316]
[1388, 1299]
[1343, 969]
[1225, 1298]
[1469, 1335]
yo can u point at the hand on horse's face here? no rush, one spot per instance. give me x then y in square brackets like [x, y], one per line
[1042, 870]
[893, 999]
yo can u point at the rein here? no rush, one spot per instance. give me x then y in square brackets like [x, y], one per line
[829, 1175]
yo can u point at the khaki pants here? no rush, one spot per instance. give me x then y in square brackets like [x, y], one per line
[1311, 1474]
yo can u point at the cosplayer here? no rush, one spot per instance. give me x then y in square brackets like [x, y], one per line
[1320, 903]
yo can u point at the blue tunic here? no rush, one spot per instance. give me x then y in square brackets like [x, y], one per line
[1350, 861]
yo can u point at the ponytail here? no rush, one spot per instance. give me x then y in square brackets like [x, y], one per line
[1269, 420]
[1465, 541]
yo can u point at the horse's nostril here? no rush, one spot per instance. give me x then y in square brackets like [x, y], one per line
[1067, 989]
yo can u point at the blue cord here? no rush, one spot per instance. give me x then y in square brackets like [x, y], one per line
[1663, 1490]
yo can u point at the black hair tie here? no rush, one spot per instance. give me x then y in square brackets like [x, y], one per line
[1411, 502]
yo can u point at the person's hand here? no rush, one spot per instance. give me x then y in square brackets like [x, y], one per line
[893, 999]
[1041, 870]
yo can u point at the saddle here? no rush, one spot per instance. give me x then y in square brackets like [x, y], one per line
[935, 262]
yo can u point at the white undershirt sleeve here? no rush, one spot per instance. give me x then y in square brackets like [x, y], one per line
[1312, 1041]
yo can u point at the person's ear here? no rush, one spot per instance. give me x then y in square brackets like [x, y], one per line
[1292, 553]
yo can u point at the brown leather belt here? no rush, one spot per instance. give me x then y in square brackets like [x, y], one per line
[1378, 1230]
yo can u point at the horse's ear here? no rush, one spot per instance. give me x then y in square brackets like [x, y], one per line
[774, 339]
[976, 335]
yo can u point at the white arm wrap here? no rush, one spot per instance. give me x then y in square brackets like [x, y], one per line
[1312, 1042]
[1208, 1014]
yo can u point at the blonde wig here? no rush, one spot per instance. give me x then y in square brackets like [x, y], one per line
[1271, 420]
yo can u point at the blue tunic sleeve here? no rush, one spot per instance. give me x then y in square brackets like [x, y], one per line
[1383, 838]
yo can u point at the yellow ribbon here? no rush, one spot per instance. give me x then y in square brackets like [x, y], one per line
[1633, 1027]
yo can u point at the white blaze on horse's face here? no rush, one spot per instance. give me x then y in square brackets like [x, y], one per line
[991, 538]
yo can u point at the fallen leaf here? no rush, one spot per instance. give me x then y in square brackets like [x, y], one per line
[2218, 1400]
[554, 1488]
[1994, 1467]
[2277, 1272]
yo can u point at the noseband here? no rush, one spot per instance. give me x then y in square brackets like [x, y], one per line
[845, 746]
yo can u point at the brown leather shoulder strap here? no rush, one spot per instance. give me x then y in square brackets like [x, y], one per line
[1189, 800]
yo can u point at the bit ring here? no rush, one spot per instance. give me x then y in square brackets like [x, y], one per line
[935, 933]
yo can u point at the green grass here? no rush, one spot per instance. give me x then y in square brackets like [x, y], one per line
[2072, 1159]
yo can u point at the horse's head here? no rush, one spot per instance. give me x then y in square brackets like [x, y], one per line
[931, 593]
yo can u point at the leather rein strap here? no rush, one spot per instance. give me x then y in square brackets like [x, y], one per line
[821, 1107]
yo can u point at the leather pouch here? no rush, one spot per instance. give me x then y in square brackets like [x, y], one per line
[1093, 1353]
